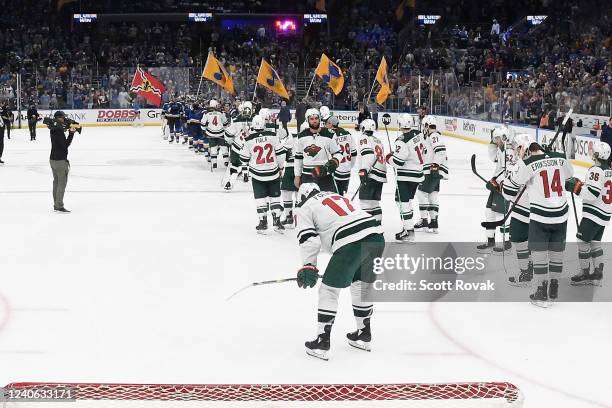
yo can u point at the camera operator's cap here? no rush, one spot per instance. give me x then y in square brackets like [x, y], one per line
[59, 114]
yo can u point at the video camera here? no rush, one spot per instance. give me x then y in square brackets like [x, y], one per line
[68, 123]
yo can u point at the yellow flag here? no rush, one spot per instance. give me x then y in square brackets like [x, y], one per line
[214, 71]
[383, 80]
[268, 78]
[330, 74]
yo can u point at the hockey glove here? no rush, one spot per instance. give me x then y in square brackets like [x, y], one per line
[493, 185]
[573, 185]
[307, 276]
[327, 168]
[435, 171]
[363, 177]
[388, 158]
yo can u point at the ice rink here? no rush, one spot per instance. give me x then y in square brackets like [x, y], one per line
[131, 286]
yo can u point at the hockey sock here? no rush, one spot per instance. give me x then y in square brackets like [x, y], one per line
[490, 216]
[328, 306]
[596, 253]
[287, 201]
[214, 152]
[275, 206]
[361, 310]
[434, 206]
[406, 214]
[262, 207]
[584, 255]
[522, 255]
[423, 203]
[555, 264]
[372, 207]
[540, 267]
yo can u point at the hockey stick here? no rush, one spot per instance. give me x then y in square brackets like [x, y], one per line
[473, 162]
[269, 282]
[386, 120]
[495, 224]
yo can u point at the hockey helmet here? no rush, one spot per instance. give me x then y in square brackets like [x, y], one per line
[368, 126]
[523, 141]
[246, 108]
[258, 123]
[312, 112]
[213, 104]
[306, 191]
[407, 121]
[601, 151]
[325, 113]
[333, 121]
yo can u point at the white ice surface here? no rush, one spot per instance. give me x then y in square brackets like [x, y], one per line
[131, 286]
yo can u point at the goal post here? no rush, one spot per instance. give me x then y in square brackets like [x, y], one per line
[85, 395]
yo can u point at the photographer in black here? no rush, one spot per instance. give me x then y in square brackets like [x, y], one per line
[6, 115]
[60, 166]
[33, 118]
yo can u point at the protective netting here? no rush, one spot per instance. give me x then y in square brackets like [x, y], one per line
[503, 394]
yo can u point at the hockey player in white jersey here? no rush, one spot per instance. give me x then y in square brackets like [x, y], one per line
[496, 206]
[235, 134]
[545, 175]
[317, 155]
[288, 188]
[519, 221]
[265, 155]
[348, 151]
[435, 169]
[214, 123]
[596, 196]
[330, 222]
[408, 159]
[372, 169]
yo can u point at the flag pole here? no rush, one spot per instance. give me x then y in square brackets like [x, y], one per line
[310, 86]
[371, 89]
[255, 90]
[199, 85]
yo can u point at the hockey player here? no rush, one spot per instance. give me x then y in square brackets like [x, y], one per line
[330, 222]
[234, 137]
[373, 169]
[287, 186]
[435, 169]
[317, 155]
[545, 175]
[173, 116]
[596, 196]
[214, 124]
[194, 130]
[344, 140]
[265, 155]
[496, 205]
[519, 222]
[408, 159]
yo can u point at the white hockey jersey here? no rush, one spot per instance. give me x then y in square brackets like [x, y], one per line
[409, 156]
[344, 139]
[214, 124]
[596, 195]
[372, 155]
[435, 152]
[237, 131]
[545, 176]
[510, 191]
[314, 150]
[330, 221]
[264, 154]
[288, 144]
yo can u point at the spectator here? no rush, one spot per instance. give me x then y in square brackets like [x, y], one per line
[284, 115]
[606, 132]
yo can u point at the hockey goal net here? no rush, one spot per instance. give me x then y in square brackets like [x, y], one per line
[485, 394]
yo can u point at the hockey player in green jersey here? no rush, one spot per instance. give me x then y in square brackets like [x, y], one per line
[596, 196]
[329, 221]
[545, 174]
